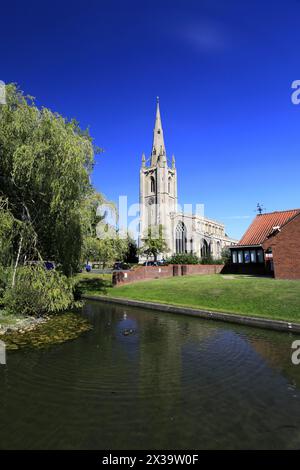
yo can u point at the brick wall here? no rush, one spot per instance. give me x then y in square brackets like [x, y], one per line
[286, 250]
[142, 273]
[202, 268]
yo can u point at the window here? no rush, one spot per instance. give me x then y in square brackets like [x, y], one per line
[260, 256]
[234, 257]
[152, 184]
[240, 257]
[181, 238]
[169, 185]
[247, 256]
[205, 249]
[253, 256]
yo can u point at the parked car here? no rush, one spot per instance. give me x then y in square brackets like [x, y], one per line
[162, 262]
[150, 263]
[155, 263]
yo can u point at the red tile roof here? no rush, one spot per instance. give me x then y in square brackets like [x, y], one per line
[262, 226]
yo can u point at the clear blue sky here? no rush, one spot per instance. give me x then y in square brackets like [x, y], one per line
[223, 71]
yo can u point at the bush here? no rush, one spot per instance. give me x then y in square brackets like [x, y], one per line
[4, 275]
[208, 260]
[39, 292]
[191, 258]
[226, 256]
[183, 258]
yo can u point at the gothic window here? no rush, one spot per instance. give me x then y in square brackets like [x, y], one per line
[181, 238]
[169, 185]
[152, 184]
[205, 249]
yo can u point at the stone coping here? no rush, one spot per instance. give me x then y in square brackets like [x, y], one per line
[266, 323]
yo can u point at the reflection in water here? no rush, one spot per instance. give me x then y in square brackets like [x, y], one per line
[173, 382]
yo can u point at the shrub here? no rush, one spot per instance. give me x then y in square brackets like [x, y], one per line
[184, 258]
[208, 260]
[226, 256]
[4, 275]
[39, 292]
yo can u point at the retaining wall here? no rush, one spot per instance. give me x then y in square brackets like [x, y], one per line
[143, 273]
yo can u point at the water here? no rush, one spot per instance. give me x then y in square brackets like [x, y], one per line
[176, 382]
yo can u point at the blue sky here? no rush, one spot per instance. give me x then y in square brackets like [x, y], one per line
[222, 69]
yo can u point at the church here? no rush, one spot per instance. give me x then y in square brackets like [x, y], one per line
[184, 232]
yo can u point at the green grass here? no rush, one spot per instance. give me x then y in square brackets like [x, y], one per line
[256, 296]
[89, 283]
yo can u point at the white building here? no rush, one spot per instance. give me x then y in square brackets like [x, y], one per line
[184, 233]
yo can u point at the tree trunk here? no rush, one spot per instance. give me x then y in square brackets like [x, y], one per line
[17, 262]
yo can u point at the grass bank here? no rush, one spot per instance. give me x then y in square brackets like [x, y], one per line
[255, 296]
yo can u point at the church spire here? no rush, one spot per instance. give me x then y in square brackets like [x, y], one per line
[158, 148]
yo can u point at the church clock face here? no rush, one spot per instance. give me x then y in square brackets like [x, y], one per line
[151, 200]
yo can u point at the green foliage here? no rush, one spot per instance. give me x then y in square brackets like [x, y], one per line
[45, 165]
[4, 279]
[7, 230]
[184, 258]
[155, 242]
[88, 213]
[226, 256]
[90, 249]
[105, 251]
[208, 259]
[132, 254]
[39, 292]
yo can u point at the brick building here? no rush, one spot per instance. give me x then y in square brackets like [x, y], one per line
[271, 245]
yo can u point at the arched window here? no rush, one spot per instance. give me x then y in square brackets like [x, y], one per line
[181, 238]
[169, 184]
[152, 184]
[205, 249]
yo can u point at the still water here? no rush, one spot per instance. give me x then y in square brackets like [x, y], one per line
[176, 382]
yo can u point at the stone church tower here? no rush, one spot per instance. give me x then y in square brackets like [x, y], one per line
[158, 185]
[184, 232]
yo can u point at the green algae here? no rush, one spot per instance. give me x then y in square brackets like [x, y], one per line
[57, 329]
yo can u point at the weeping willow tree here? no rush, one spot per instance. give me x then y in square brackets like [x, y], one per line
[45, 166]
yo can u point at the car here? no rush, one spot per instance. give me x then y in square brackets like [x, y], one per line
[163, 262]
[150, 263]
